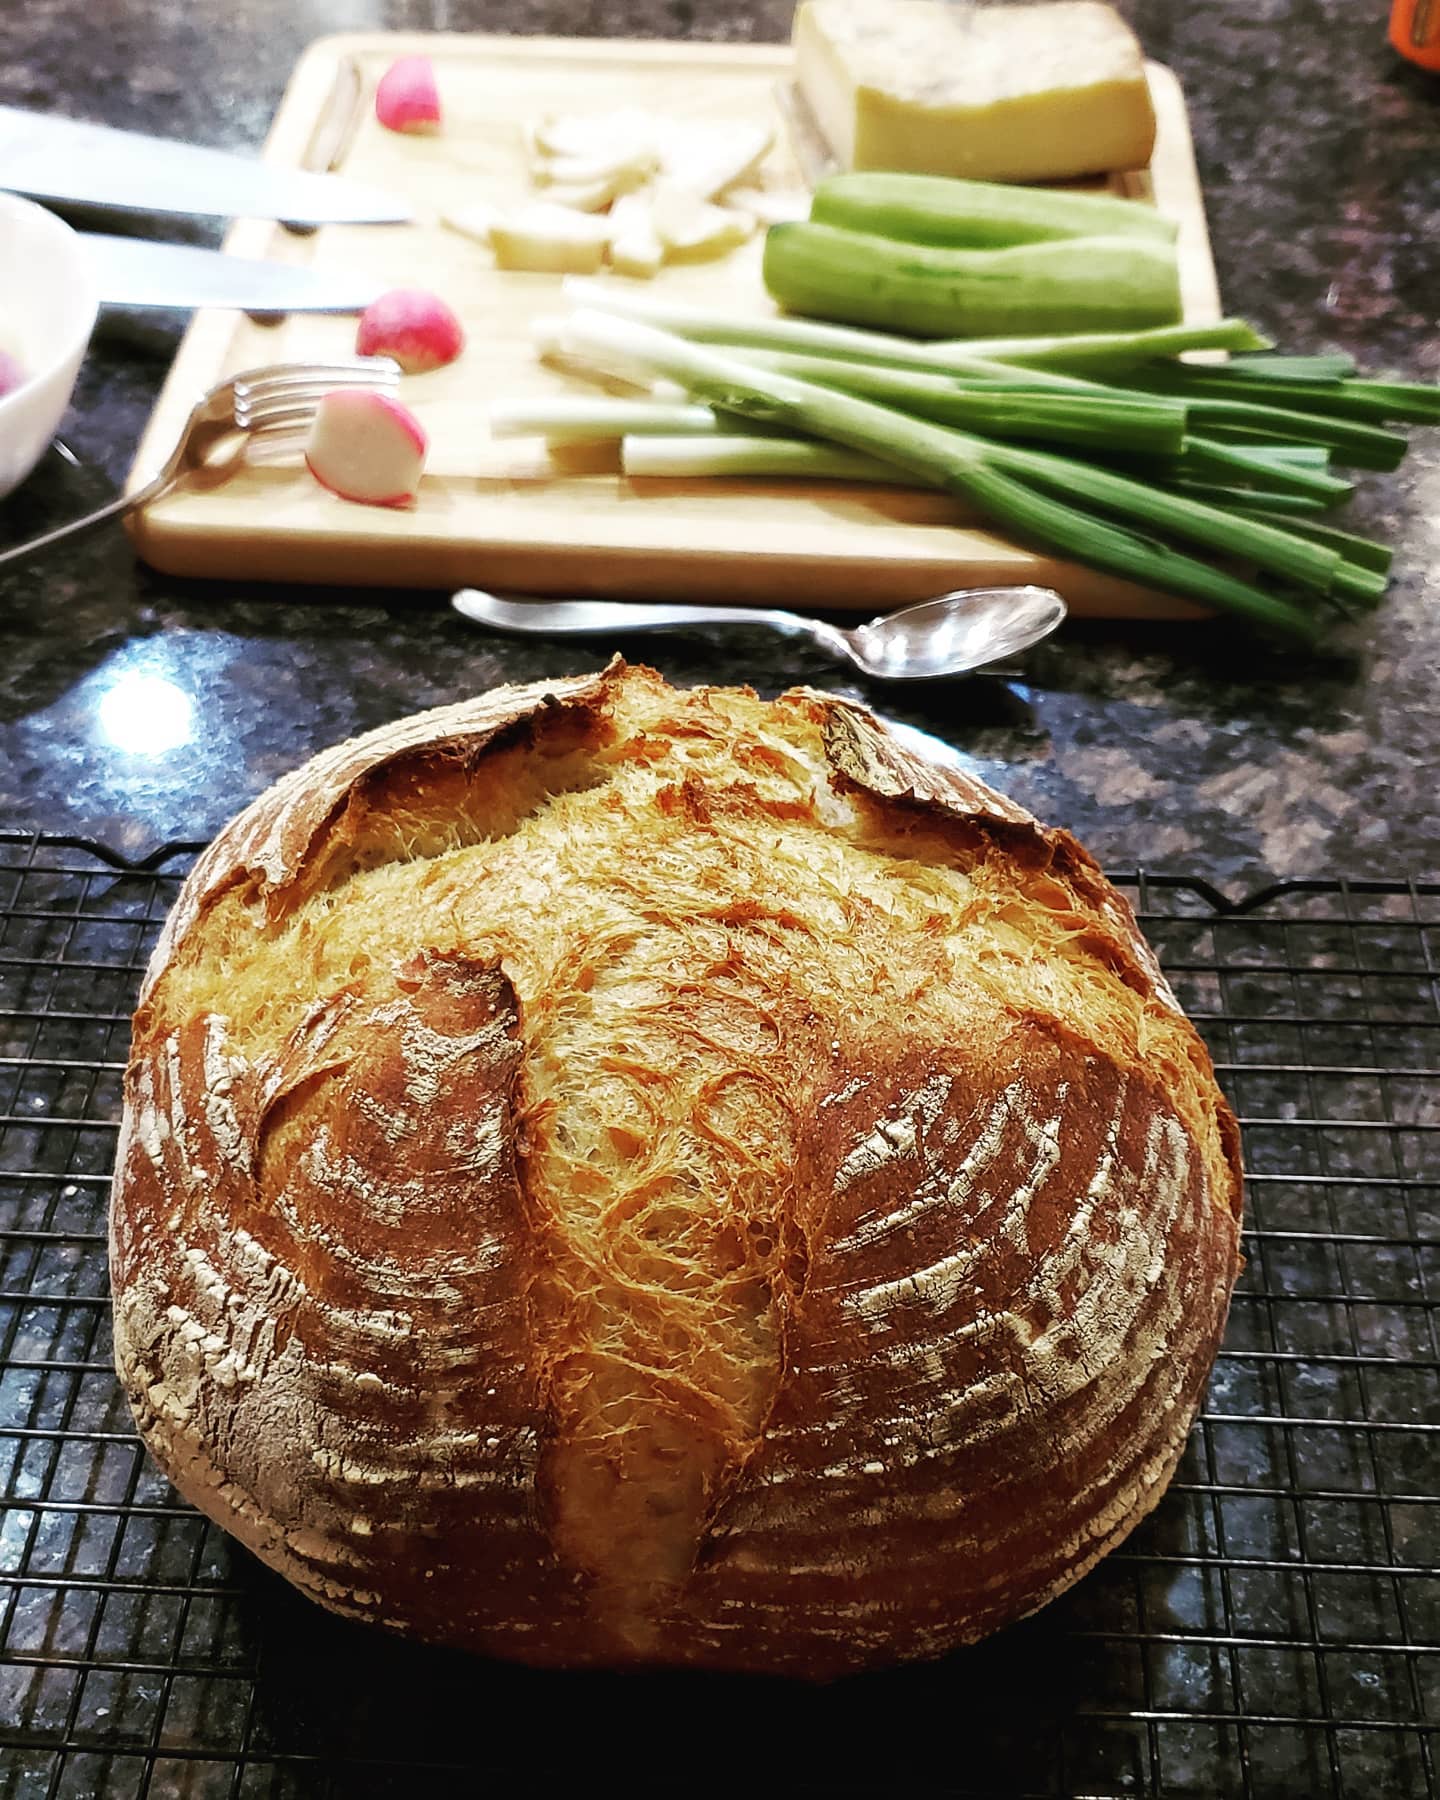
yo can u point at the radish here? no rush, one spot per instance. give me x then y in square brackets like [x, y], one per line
[12, 375]
[407, 98]
[414, 327]
[366, 446]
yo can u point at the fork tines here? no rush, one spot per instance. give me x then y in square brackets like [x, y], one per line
[287, 394]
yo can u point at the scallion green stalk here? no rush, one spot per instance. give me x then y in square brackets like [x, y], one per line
[584, 420]
[1102, 352]
[1113, 350]
[710, 457]
[1362, 446]
[1353, 581]
[1218, 493]
[1290, 382]
[1008, 484]
[1302, 456]
[1280, 366]
[1238, 463]
[1095, 418]
[1365, 552]
[1294, 559]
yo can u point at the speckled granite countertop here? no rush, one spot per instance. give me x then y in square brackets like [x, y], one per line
[1179, 748]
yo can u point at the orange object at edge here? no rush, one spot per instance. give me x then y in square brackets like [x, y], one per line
[1415, 31]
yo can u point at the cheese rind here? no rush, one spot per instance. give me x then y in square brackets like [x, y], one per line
[1033, 93]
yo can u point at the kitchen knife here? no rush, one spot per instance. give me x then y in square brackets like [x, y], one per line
[136, 272]
[95, 165]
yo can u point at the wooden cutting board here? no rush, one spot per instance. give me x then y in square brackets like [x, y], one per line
[502, 514]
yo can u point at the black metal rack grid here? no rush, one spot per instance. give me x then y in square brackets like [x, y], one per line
[1273, 1630]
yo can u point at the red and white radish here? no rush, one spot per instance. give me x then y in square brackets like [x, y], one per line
[414, 327]
[365, 446]
[407, 98]
[12, 375]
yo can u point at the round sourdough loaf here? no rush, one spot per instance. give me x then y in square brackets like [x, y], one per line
[618, 1175]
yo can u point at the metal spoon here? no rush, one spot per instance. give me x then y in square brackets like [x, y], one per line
[950, 635]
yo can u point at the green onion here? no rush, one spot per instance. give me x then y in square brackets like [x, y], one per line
[1304, 456]
[1361, 550]
[1338, 407]
[1362, 446]
[689, 457]
[1115, 350]
[1097, 418]
[1216, 493]
[807, 337]
[991, 476]
[1279, 366]
[702, 326]
[1282, 475]
[1406, 402]
[1357, 582]
[1319, 383]
[1294, 559]
[585, 420]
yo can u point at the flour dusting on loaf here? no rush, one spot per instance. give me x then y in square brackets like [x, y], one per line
[616, 1175]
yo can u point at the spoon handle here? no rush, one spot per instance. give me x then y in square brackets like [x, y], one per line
[582, 617]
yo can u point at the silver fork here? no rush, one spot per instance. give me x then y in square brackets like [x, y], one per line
[276, 401]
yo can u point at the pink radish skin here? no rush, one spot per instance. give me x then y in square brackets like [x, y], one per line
[407, 98]
[417, 329]
[12, 375]
[367, 447]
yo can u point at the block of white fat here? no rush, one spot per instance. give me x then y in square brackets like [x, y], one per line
[992, 93]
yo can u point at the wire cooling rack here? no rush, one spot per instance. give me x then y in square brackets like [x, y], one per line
[1273, 1630]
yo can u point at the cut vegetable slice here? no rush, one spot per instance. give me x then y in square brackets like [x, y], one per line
[623, 131]
[708, 158]
[549, 239]
[365, 446]
[635, 246]
[693, 228]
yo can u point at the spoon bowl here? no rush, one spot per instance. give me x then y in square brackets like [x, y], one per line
[956, 632]
[953, 634]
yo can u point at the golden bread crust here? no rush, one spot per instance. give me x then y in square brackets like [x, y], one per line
[618, 1176]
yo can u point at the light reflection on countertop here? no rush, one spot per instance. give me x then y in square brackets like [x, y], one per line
[145, 715]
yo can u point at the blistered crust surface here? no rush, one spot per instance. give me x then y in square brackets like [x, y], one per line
[611, 1175]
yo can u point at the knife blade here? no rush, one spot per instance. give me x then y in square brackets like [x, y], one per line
[96, 165]
[137, 272]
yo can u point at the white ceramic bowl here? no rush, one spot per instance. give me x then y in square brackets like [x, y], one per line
[47, 312]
